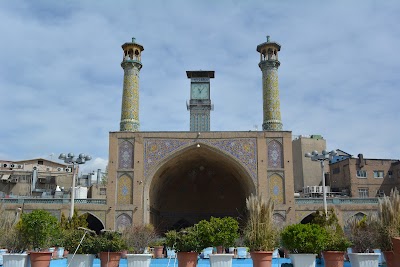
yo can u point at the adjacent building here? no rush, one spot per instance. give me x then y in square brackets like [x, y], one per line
[364, 178]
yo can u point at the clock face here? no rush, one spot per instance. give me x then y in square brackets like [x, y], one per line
[200, 91]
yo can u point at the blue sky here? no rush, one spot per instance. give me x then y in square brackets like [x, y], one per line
[61, 80]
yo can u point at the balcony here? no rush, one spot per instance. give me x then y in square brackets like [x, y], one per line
[337, 201]
[51, 201]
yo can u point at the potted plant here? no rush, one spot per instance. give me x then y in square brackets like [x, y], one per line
[337, 242]
[137, 239]
[186, 243]
[158, 247]
[81, 243]
[110, 244]
[15, 257]
[260, 233]
[218, 232]
[389, 227]
[304, 242]
[37, 229]
[364, 235]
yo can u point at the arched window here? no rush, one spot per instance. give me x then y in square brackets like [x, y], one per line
[125, 159]
[275, 154]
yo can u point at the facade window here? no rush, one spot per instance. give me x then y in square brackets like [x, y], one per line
[40, 162]
[336, 170]
[378, 174]
[380, 193]
[363, 192]
[361, 174]
[390, 174]
[103, 191]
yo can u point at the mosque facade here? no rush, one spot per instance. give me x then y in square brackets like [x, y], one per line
[175, 179]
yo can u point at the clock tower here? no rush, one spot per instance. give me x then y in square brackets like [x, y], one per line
[200, 102]
[269, 65]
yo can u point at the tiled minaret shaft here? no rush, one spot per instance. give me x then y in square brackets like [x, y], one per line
[130, 97]
[269, 65]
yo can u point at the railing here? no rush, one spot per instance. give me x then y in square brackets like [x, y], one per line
[337, 201]
[51, 201]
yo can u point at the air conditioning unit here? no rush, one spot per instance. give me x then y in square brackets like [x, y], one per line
[12, 165]
[60, 169]
[69, 169]
[20, 166]
[5, 165]
[48, 169]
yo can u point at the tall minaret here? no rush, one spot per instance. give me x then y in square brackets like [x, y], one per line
[130, 97]
[269, 65]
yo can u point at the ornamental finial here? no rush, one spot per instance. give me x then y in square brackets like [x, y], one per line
[268, 38]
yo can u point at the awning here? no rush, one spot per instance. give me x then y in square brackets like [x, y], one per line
[5, 177]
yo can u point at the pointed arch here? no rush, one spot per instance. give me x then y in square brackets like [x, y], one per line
[275, 154]
[123, 221]
[279, 219]
[276, 188]
[125, 189]
[94, 222]
[125, 155]
[196, 167]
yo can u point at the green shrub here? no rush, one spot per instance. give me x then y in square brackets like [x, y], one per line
[186, 240]
[109, 241]
[72, 239]
[337, 240]
[38, 228]
[218, 232]
[304, 238]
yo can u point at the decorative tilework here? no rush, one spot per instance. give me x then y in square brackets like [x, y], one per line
[125, 186]
[346, 215]
[125, 159]
[275, 154]
[130, 97]
[123, 221]
[271, 102]
[279, 219]
[244, 150]
[276, 191]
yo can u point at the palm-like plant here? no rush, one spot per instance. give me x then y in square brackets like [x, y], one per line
[389, 219]
[260, 232]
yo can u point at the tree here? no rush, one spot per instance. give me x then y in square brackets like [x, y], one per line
[104, 176]
[38, 229]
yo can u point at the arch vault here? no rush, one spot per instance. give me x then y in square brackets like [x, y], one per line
[196, 183]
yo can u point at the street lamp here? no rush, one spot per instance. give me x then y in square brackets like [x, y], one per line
[71, 159]
[325, 155]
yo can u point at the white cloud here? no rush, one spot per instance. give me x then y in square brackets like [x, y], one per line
[61, 80]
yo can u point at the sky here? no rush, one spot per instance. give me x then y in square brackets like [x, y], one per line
[61, 79]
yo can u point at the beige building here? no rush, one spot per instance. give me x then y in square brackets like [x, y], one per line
[305, 171]
[364, 178]
[34, 177]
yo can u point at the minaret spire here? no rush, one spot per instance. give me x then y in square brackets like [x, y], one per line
[269, 65]
[130, 97]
